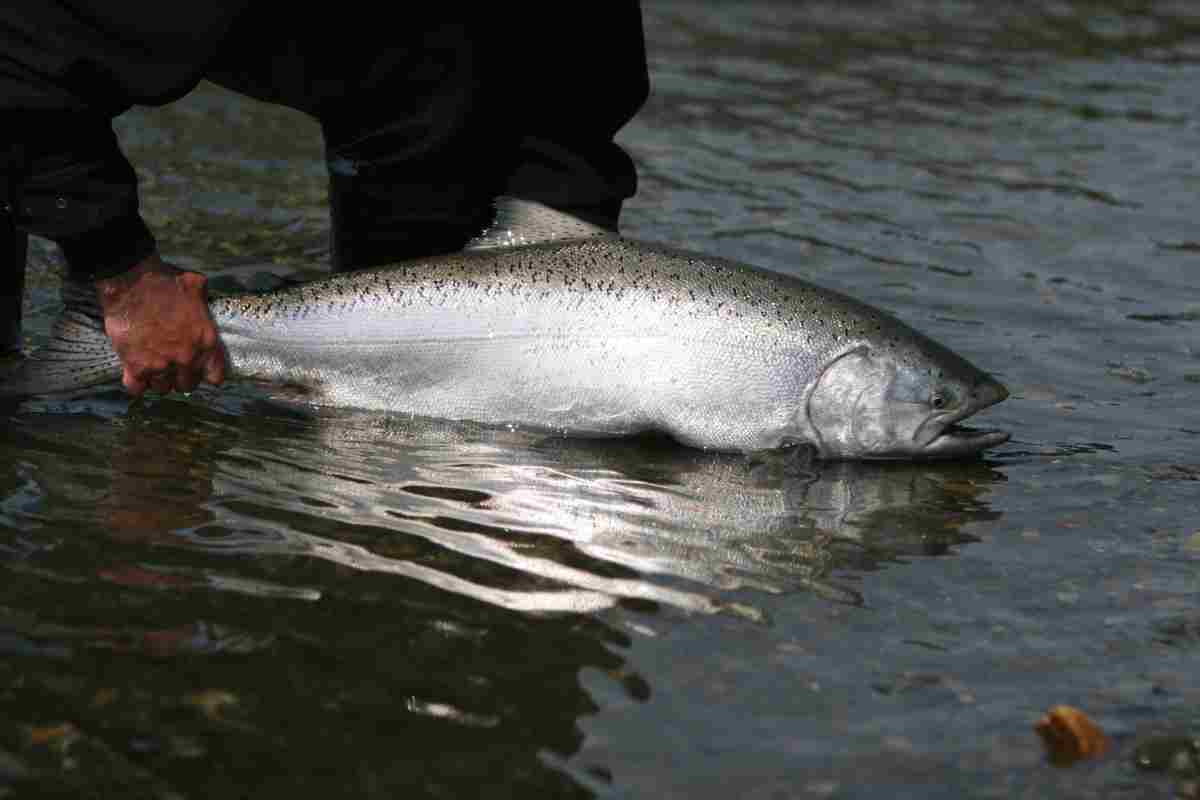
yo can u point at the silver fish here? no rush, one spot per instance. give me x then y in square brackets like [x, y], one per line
[595, 336]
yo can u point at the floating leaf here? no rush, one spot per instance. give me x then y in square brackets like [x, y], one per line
[1070, 736]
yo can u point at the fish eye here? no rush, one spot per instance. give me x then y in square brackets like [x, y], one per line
[942, 398]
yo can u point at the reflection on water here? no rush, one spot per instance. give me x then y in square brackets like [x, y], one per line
[514, 520]
[462, 558]
[602, 519]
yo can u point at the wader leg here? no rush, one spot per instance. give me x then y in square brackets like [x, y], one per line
[385, 215]
[13, 244]
[426, 124]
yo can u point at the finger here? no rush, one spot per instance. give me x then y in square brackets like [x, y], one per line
[186, 379]
[163, 381]
[190, 371]
[214, 368]
[133, 385]
[162, 385]
[208, 338]
[193, 281]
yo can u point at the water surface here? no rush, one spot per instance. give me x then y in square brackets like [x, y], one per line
[225, 595]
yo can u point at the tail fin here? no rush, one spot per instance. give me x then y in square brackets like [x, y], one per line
[77, 356]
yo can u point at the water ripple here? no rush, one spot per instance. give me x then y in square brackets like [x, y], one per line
[562, 526]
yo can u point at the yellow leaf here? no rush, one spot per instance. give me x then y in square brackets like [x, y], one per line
[1070, 736]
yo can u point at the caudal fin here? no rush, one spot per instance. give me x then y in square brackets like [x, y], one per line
[78, 355]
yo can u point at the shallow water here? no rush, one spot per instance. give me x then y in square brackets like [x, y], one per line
[225, 595]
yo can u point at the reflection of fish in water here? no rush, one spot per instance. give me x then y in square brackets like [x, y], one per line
[577, 525]
[584, 332]
[717, 519]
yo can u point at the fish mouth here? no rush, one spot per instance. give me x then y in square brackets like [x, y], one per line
[955, 441]
[951, 440]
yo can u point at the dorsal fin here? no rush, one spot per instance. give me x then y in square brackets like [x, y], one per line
[523, 222]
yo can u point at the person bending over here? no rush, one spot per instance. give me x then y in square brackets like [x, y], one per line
[427, 117]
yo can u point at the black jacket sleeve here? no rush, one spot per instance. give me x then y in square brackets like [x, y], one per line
[67, 67]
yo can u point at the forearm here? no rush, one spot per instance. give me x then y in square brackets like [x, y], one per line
[65, 179]
[67, 67]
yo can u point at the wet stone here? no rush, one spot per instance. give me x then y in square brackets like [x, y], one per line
[1179, 755]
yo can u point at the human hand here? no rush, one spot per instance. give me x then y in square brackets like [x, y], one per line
[157, 318]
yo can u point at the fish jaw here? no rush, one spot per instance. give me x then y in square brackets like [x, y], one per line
[959, 442]
[951, 440]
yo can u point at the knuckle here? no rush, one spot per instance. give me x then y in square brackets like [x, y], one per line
[193, 280]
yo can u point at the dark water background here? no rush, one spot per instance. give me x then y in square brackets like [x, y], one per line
[221, 596]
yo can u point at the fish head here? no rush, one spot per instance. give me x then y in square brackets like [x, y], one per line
[889, 403]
